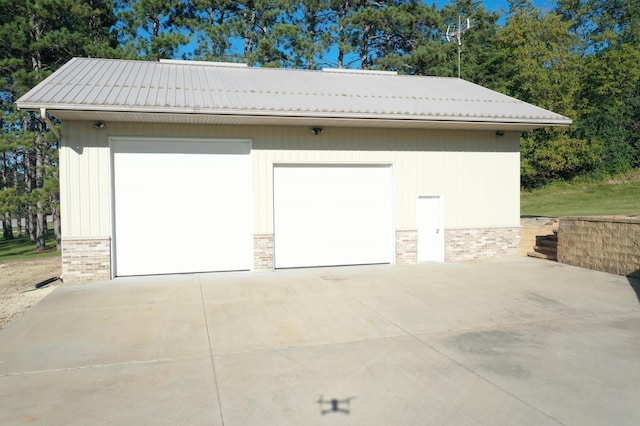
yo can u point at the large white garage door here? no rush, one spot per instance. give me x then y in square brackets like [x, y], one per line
[332, 215]
[181, 206]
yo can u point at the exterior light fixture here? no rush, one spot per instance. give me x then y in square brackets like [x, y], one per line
[317, 130]
[98, 125]
[499, 133]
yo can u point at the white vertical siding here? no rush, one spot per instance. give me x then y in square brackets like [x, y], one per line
[85, 182]
[477, 171]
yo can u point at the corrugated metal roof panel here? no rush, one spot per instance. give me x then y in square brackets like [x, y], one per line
[182, 87]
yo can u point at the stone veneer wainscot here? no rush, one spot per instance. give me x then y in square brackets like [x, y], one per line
[86, 259]
[481, 243]
[263, 252]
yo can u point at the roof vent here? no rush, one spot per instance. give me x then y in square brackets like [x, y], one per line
[350, 71]
[206, 63]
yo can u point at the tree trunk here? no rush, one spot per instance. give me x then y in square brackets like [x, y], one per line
[19, 221]
[7, 229]
[30, 224]
[56, 220]
[340, 49]
[41, 218]
[29, 183]
[364, 49]
[16, 179]
[312, 25]
[249, 22]
[41, 228]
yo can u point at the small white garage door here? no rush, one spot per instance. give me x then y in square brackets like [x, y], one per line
[332, 215]
[181, 206]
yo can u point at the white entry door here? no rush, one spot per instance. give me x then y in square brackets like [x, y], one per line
[181, 206]
[332, 215]
[430, 223]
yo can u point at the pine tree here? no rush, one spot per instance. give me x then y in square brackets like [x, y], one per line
[312, 43]
[266, 28]
[212, 25]
[37, 37]
[148, 29]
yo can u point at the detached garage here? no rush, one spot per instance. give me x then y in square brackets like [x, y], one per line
[182, 167]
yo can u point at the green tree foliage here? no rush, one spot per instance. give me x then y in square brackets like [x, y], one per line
[608, 104]
[256, 32]
[37, 37]
[212, 25]
[365, 33]
[148, 29]
[536, 62]
[311, 44]
[396, 35]
[557, 156]
[391, 35]
[266, 29]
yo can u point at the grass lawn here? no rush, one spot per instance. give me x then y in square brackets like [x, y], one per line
[612, 197]
[21, 248]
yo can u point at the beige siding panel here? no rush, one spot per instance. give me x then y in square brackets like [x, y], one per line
[85, 182]
[477, 172]
[478, 175]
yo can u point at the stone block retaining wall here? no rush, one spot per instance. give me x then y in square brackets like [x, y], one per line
[604, 244]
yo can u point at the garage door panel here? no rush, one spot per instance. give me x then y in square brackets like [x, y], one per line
[181, 208]
[332, 215]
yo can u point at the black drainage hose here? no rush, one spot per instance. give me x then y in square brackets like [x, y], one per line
[47, 281]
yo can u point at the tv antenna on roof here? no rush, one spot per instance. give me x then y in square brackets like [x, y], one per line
[455, 34]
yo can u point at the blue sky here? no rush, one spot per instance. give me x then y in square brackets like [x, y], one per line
[496, 4]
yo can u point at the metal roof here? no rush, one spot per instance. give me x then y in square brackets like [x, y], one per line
[205, 92]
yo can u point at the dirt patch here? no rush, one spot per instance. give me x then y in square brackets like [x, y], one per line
[17, 285]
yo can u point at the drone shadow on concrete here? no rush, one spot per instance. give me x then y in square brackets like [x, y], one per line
[334, 405]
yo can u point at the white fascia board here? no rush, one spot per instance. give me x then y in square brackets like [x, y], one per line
[303, 114]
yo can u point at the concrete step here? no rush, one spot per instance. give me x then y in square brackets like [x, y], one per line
[547, 242]
[553, 251]
[542, 255]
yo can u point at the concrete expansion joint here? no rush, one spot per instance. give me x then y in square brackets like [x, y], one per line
[211, 354]
[405, 332]
[110, 365]
[279, 349]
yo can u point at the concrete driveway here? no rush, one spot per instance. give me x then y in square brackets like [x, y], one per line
[510, 342]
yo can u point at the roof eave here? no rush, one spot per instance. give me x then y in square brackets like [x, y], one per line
[285, 117]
